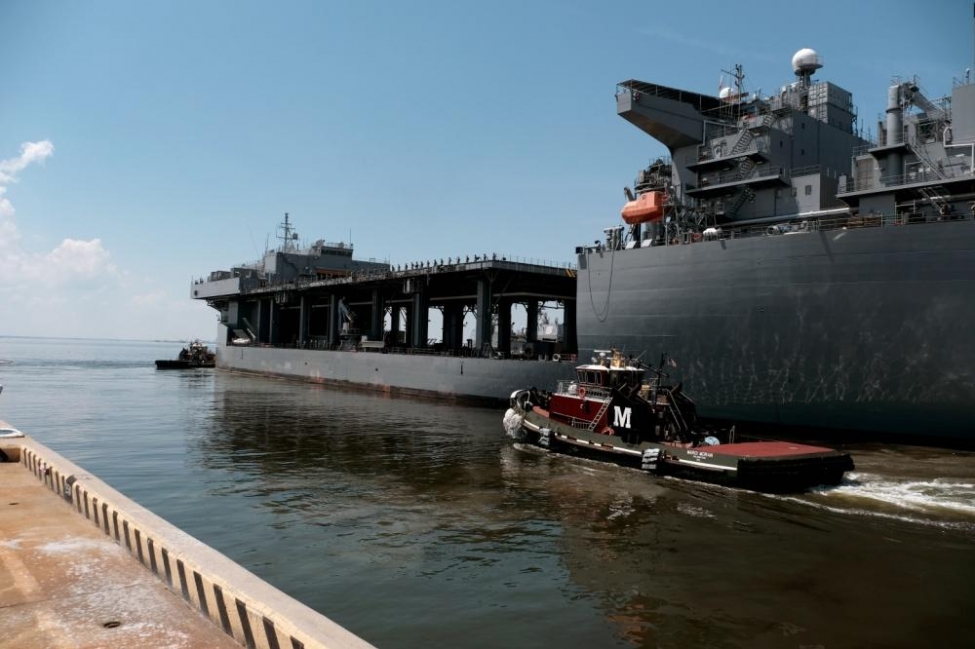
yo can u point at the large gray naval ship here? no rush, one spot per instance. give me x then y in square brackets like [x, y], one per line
[317, 313]
[797, 272]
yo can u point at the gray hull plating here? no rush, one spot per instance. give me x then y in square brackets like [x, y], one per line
[870, 329]
[468, 380]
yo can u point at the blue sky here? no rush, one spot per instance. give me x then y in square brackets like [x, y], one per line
[144, 144]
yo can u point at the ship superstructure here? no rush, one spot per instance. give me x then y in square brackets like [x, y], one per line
[767, 254]
[736, 157]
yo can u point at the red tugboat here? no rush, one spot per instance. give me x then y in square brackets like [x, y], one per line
[611, 408]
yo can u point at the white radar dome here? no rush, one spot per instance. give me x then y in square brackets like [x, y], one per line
[806, 60]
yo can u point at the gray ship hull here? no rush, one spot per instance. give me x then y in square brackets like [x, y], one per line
[865, 328]
[480, 381]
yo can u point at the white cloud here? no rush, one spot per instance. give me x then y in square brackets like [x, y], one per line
[76, 289]
[30, 152]
[6, 209]
[75, 260]
[8, 229]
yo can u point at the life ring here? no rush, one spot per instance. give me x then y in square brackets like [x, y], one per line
[556, 357]
[582, 393]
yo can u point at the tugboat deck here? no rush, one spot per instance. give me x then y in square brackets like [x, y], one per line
[766, 449]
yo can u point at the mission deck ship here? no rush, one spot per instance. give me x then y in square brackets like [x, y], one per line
[800, 274]
[316, 313]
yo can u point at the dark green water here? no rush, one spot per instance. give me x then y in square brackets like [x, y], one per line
[417, 524]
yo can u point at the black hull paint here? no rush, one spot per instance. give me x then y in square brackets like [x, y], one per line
[867, 329]
[182, 365]
[784, 474]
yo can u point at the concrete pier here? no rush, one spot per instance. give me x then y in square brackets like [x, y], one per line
[82, 566]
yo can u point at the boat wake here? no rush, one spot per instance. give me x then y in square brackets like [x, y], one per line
[940, 502]
[938, 494]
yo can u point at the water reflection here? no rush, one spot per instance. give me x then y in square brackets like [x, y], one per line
[422, 511]
[416, 524]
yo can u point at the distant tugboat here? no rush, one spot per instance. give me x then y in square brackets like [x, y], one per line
[610, 409]
[196, 355]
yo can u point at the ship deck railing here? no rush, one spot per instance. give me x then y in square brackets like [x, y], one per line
[703, 103]
[729, 177]
[948, 173]
[795, 226]
[412, 269]
[840, 223]
[864, 149]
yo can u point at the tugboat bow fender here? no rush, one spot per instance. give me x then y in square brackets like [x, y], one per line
[520, 400]
[545, 437]
[650, 461]
[513, 425]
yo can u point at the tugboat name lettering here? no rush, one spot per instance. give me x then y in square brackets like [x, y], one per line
[622, 417]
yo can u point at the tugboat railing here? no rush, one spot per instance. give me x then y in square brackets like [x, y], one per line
[572, 388]
[576, 422]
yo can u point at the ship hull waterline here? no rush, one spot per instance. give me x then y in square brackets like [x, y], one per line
[463, 380]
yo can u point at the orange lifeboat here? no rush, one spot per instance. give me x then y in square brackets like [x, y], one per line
[646, 207]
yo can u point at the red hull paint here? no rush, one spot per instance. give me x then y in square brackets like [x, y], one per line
[765, 449]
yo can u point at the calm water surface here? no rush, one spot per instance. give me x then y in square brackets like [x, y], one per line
[416, 524]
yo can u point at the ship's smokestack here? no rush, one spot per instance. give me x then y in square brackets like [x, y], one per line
[895, 115]
[895, 128]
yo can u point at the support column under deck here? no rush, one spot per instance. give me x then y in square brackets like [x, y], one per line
[504, 326]
[453, 326]
[333, 320]
[408, 328]
[394, 325]
[378, 314]
[274, 320]
[531, 325]
[421, 320]
[263, 321]
[303, 321]
[483, 329]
